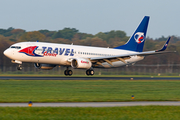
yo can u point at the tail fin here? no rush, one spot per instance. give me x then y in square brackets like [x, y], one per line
[136, 42]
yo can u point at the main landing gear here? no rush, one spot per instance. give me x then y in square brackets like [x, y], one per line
[89, 72]
[68, 72]
[19, 67]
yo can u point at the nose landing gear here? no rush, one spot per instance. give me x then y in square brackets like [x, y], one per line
[19, 67]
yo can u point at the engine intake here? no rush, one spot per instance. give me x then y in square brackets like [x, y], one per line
[81, 63]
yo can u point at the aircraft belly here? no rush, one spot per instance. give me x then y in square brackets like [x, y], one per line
[115, 64]
[118, 64]
[47, 59]
[133, 59]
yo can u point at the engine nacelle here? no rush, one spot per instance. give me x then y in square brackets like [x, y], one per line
[44, 66]
[81, 63]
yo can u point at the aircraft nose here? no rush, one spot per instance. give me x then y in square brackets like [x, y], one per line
[7, 52]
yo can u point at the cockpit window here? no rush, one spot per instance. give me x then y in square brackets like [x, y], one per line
[16, 47]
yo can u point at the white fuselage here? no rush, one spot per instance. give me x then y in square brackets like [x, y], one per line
[61, 54]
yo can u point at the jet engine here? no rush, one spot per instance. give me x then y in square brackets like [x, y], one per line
[81, 63]
[44, 66]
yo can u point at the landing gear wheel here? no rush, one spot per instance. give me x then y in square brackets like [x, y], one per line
[89, 72]
[19, 67]
[68, 72]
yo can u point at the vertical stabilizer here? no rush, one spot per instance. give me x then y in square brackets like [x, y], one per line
[136, 41]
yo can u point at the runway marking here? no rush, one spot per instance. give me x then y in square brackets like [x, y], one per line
[93, 104]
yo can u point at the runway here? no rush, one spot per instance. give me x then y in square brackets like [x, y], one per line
[92, 104]
[85, 78]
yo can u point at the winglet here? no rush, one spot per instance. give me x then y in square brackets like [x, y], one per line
[165, 45]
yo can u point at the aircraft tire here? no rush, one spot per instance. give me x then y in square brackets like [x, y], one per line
[19, 67]
[89, 72]
[70, 72]
[66, 72]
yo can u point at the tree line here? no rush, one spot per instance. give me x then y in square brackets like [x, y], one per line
[110, 39]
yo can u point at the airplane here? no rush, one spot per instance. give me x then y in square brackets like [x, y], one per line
[46, 56]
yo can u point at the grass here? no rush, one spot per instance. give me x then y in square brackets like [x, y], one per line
[112, 113]
[84, 91]
[88, 91]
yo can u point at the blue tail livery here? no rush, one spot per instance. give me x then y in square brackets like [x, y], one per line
[136, 42]
[165, 45]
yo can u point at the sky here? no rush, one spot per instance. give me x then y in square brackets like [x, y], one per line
[92, 16]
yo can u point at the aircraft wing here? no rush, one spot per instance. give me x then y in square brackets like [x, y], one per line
[110, 59]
